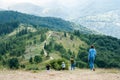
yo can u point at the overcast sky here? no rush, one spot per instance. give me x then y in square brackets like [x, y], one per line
[64, 3]
[76, 7]
[67, 3]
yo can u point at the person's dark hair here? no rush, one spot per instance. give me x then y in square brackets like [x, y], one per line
[92, 46]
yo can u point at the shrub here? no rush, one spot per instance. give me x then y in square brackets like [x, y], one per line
[37, 59]
[22, 66]
[31, 60]
[56, 64]
[32, 68]
[81, 64]
[13, 63]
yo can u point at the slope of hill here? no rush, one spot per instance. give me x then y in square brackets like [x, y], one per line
[26, 43]
[7, 17]
[29, 42]
[48, 22]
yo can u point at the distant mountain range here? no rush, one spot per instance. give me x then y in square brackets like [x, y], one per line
[107, 23]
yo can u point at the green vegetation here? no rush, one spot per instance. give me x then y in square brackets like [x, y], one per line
[57, 64]
[30, 47]
[7, 27]
[46, 22]
[13, 63]
[107, 50]
[37, 59]
[58, 44]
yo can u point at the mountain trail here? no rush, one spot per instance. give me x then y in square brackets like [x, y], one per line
[45, 53]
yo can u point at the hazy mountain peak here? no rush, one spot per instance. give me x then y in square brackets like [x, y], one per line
[107, 23]
[107, 16]
[27, 8]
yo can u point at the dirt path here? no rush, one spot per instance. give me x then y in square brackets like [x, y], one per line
[83, 74]
[50, 33]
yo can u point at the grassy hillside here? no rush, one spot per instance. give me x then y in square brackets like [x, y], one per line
[25, 43]
[32, 48]
[31, 42]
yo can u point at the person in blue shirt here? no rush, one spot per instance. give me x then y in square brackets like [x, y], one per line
[91, 57]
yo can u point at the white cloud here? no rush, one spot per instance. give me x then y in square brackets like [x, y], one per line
[46, 10]
[71, 8]
[117, 23]
[44, 3]
[6, 3]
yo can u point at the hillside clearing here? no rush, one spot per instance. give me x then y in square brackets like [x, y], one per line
[82, 74]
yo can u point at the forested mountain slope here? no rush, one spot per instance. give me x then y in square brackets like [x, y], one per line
[27, 45]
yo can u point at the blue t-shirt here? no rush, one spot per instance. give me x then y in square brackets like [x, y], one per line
[92, 52]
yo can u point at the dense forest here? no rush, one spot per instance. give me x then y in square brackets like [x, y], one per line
[49, 22]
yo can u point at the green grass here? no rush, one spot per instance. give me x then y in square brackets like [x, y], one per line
[55, 55]
[35, 49]
[70, 44]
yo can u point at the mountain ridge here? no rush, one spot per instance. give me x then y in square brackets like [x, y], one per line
[48, 22]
